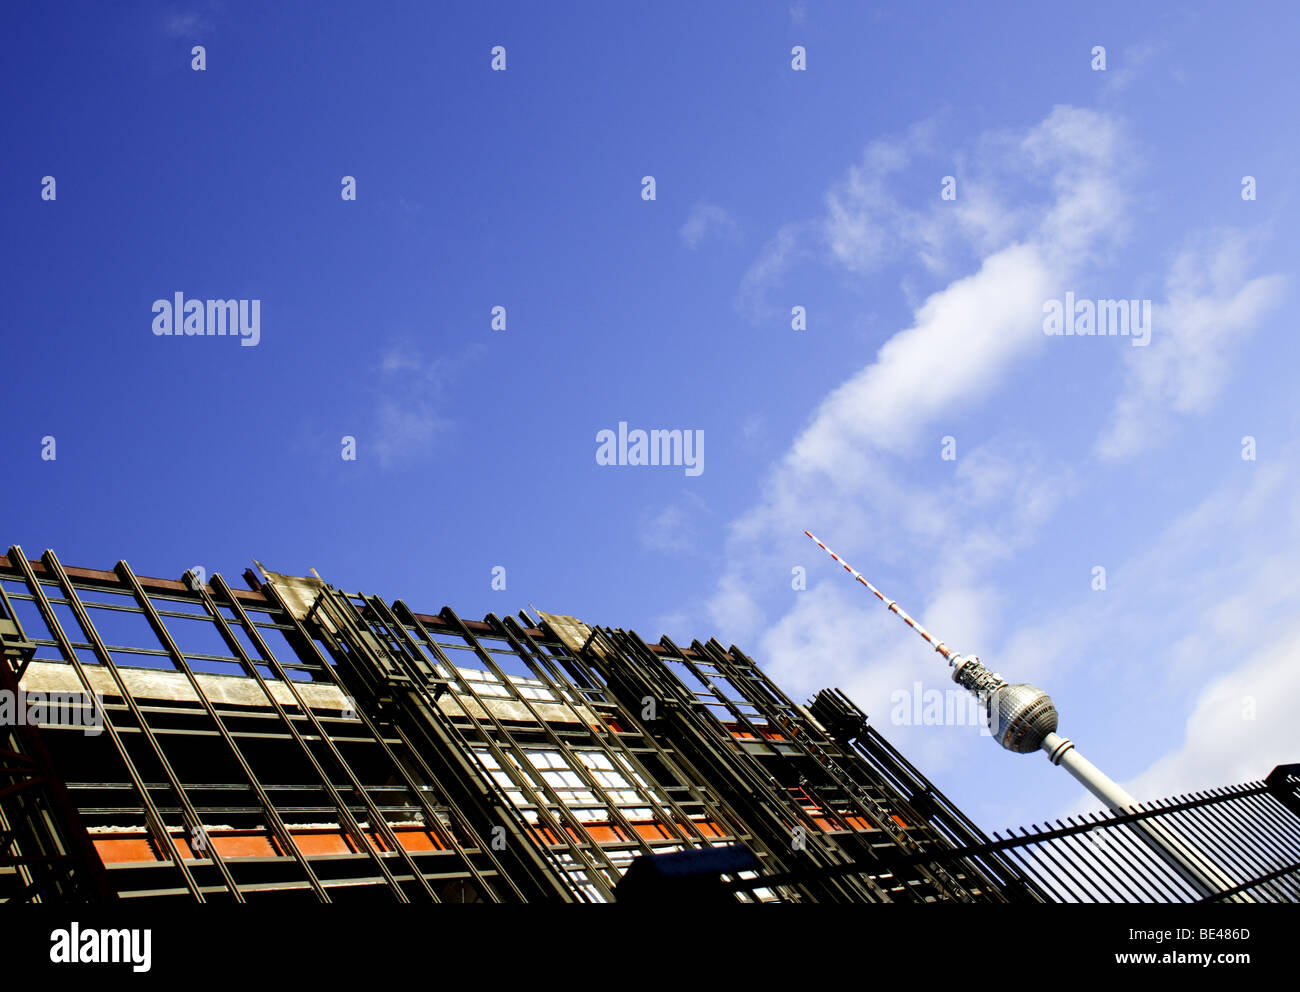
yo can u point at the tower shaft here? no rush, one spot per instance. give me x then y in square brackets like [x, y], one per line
[1024, 719]
[1199, 873]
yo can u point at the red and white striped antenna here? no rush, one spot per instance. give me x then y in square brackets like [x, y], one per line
[939, 646]
[1023, 719]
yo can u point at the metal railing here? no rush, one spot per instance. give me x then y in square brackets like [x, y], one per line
[1250, 832]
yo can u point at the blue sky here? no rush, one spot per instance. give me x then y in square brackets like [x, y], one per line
[775, 188]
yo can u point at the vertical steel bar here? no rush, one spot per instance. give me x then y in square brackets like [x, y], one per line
[153, 818]
[271, 814]
[376, 816]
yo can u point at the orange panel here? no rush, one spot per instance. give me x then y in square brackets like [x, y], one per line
[543, 836]
[608, 833]
[124, 847]
[417, 839]
[324, 842]
[741, 733]
[601, 833]
[654, 830]
[243, 845]
[121, 848]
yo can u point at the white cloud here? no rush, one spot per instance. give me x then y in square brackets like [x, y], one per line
[1241, 726]
[1087, 157]
[668, 530]
[934, 540]
[774, 260]
[842, 473]
[1211, 308]
[1212, 602]
[1076, 155]
[672, 528]
[1131, 64]
[866, 225]
[853, 475]
[833, 636]
[403, 431]
[707, 220]
[192, 22]
[406, 419]
[753, 432]
[962, 338]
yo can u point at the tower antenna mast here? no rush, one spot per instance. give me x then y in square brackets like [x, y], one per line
[1023, 719]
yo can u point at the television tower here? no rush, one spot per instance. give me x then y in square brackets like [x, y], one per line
[1023, 719]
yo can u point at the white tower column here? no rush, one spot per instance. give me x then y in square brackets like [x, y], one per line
[1194, 869]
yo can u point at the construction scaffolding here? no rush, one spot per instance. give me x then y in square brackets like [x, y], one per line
[293, 741]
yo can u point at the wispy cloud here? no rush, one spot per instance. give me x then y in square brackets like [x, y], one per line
[1188, 605]
[866, 224]
[854, 473]
[667, 530]
[1211, 308]
[844, 468]
[1058, 187]
[754, 432]
[1134, 60]
[707, 220]
[407, 415]
[773, 262]
[190, 22]
[672, 528]
[1241, 725]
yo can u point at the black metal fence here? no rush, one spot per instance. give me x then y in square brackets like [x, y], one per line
[1249, 833]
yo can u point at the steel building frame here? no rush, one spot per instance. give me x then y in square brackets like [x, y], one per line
[293, 741]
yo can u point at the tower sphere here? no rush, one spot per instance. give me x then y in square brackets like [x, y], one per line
[1020, 716]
